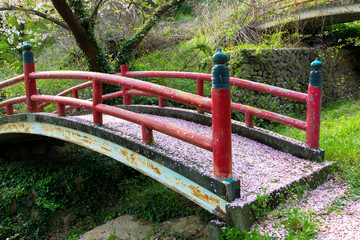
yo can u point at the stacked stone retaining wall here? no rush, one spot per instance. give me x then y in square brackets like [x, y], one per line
[290, 68]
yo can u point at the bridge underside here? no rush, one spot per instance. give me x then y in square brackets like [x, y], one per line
[309, 19]
[221, 198]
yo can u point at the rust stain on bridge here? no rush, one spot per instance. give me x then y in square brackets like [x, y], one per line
[175, 181]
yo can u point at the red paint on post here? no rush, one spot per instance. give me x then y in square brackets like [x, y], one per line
[61, 109]
[161, 102]
[313, 117]
[97, 99]
[200, 92]
[147, 134]
[221, 122]
[126, 98]
[30, 86]
[9, 109]
[76, 95]
[248, 119]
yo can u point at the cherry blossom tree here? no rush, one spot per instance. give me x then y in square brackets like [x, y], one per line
[80, 18]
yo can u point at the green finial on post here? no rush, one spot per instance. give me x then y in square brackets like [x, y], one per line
[220, 72]
[316, 73]
[28, 55]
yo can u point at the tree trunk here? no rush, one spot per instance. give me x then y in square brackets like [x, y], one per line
[127, 48]
[84, 37]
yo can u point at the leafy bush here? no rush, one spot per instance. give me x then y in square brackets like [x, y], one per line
[155, 202]
[232, 234]
[34, 192]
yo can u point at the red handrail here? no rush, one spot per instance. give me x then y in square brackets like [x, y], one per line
[277, 91]
[11, 81]
[171, 130]
[169, 93]
[13, 101]
[131, 86]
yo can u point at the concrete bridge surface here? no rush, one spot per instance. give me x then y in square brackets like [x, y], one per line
[314, 17]
[261, 160]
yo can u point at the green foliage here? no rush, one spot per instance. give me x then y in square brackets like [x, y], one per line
[193, 56]
[154, 202]
[233, 234]
[261, 206]
[300, 225]
[339, 136]
[344, 33]
[34, 191]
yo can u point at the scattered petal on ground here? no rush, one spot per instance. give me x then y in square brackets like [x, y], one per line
[256, 165]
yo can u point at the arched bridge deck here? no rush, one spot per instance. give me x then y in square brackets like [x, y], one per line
[321, 14]
[179, 165]
[220, 164]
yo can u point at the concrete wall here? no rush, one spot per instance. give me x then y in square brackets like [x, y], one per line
[290, 68]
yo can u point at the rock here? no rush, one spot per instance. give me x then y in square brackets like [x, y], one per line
[124, 227]
[187, 226]
[127, 227]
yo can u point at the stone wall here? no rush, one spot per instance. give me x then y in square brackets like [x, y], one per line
[290, 68]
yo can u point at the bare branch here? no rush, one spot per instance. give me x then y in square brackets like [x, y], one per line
[95, 10]
[37, 13]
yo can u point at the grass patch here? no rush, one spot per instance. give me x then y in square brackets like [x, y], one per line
[340, 137]
[74, 182]
[339, 132]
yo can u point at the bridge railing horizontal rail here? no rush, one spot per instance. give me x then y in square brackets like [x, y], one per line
[146, 122]
[219, 104]
[247, 110]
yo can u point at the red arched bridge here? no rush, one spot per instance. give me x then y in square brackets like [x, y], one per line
[307, 13]
[208, 158]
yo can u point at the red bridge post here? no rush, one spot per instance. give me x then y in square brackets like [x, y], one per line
[126, 97]
[76, 95]
[221, 117]
[97, 99]
[314, 106]
[30, 84]
[200, 92]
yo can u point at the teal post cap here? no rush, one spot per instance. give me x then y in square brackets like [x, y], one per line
[220, 72]
[316, 64]
[27, 47]
[27, 54]
[220, 57]
[316, 75]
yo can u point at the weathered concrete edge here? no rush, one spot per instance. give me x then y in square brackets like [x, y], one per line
[268, 138]
[243, 217]
[216, 186]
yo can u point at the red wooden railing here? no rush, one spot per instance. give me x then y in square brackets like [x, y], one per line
[130, 87]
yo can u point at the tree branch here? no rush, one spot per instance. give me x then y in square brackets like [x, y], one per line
[37, 13]
[140, 35]
[95, 10]
[126, 50]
